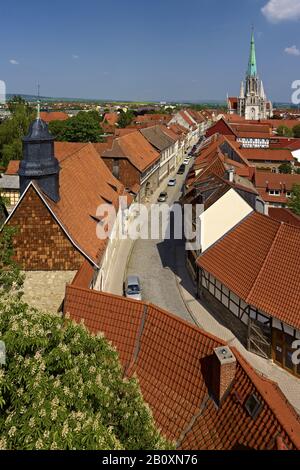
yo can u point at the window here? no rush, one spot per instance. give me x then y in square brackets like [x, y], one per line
[288, 194]
[274, 192]
[253, 406]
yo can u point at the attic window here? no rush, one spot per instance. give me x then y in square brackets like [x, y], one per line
[253, 406]
[113, 187]
[97, 219]
[105, 199]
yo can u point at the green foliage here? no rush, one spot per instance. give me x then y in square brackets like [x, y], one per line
[286, 168]
[284, 131]
[125, 118]
[296, 131]
[11, 279]
[13, 129]
[62, 388]
[294, 202]
[84, 127]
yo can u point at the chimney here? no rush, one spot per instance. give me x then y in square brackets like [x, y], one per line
[224, 369]
[230, 175]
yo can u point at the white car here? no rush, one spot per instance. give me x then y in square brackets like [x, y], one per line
[186, 161]
[172, 182]
[132, 288]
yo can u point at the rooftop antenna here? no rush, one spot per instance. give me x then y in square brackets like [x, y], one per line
[38, 102]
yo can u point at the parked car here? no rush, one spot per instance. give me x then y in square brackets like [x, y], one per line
[181, 170]
[162, 197]
[132, 288]
[172, 182]
[186, 161]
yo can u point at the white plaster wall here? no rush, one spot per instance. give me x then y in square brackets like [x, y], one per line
[221, 217]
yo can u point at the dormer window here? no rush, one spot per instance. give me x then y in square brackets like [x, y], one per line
[274, 192]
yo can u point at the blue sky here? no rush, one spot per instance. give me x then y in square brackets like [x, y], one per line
[147, 50]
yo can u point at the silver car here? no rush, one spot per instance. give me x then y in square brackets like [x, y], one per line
[132, 288]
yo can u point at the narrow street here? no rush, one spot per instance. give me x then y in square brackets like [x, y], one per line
[154, 261]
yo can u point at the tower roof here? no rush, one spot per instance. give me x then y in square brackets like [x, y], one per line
[252, 66]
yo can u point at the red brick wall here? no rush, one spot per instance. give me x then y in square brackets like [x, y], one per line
[128, 174]
[40, 244]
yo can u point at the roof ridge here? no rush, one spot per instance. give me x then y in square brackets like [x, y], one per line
[228, 233]
[84, 144]
[265, 260]
[156, 307]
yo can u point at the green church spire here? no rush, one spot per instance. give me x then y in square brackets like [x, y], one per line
[252, 67]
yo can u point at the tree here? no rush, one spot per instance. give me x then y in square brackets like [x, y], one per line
[284, 131]
[11, 278]
[285, 168]
[294, 202]
[13, 129]
[84, 127]
[61, 387]
[296, 131]
[125, 118]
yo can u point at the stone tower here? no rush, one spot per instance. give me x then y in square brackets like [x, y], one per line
[252, 102]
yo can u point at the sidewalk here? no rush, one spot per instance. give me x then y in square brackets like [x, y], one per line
[289, 384]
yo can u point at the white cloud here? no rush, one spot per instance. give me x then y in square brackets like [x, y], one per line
[282, 10]
[75, 56]
[14, 62]
[293, 50]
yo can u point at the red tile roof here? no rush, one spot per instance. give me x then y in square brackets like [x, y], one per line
[111, 118]
[172, 361]
[84, 275]
[233, 101]
[276, 180]
[187, 118]
[284, 215]
[13, 167]
[156, 118]
[259, 261]
[247, 128]
[101, 147]
[275, 123]
[136, 148]
[85, 182]
[262, 155]
[54, 116]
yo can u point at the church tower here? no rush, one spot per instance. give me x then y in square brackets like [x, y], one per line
[252, 102]
[39, 163]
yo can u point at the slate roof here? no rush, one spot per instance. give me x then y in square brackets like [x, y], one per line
[157, 138]
[10, 182]
[172, 361]
[259, 261]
